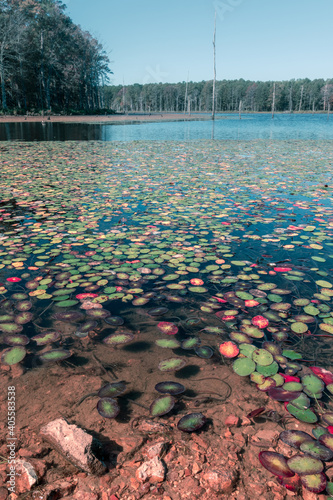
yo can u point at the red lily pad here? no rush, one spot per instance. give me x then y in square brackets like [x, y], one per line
[167, 327]
[276, 463]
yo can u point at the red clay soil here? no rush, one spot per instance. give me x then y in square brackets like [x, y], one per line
[145, 458]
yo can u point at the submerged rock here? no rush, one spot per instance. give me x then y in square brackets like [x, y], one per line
[75, 444]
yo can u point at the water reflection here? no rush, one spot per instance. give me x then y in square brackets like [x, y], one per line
[225, 127]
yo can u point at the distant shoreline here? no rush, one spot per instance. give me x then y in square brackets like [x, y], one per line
[135, 117]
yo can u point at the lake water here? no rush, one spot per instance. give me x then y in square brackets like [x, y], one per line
[146, 261]
[226, 127]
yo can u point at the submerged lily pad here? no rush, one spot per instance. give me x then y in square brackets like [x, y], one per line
[316, 483]
[191, 422]
[16, 339]
[304, 464]
[276, 463]
[170, 387]
[13, 355]
[114, 320]
[108, 407]
[162, 405]
[11, 327]
[47, 337]
[204, 351]
[317, 450]
[112, 390]
[118, 338]
[55, 355]
[295, 438]
[172, 364]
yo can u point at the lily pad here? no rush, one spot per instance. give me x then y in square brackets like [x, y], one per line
[275, 463]
[316, 483]
[162, 405]
[170, 387]
[295, 438]
[55, 355]
[47, 337]
[191, 422]
[13, 355]
[108, 408]
[303, 464]
[119, 338]
[112, 390]
[244, 366]
[171, 364]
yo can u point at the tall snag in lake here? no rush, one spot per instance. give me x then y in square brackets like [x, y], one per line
[214, 80]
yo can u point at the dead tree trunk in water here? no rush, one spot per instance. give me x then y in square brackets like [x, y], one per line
[214, 81]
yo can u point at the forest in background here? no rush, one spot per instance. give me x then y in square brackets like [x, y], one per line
[231, 96]
[48, 63]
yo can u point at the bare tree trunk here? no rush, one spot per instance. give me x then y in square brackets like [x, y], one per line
[328, 109]
[291, 99]
[301, 99]
[214, 81]
[240, 110]
[2, 78]
[185, 100]
[273, 102]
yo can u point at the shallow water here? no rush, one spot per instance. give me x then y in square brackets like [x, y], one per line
[124, 228]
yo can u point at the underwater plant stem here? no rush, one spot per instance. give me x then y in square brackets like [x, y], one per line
[107, 373]
[46, 308]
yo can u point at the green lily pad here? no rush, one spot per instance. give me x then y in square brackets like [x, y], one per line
[13, 355]
[172, 364]
[162, 405]
[243, 366]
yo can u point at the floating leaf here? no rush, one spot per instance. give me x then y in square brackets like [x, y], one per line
[172, 364]
[276, 463]
[262, 357]
[305, 465]
[190, 343]
[280, 394]
[191, 422]
[167, 327]
[244, 366]
[119, 338]
[108, 407]
[162, 405]
[13, 355]
[47, 337]
[317, 450]
[304, 415]
[11, 327]
[316, 483]
[229, 349]
[168, 343]
[295, 438]
[55, 355]
[204, 351]
[112, 390]
[170, 387]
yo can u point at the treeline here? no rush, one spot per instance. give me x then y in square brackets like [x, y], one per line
[231, 95]
[46, 61]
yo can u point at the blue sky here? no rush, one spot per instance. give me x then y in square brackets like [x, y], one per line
[163, 41]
